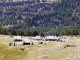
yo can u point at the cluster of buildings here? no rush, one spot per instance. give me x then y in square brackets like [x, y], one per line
[19, 41]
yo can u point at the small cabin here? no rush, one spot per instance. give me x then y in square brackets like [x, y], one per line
[38, 38]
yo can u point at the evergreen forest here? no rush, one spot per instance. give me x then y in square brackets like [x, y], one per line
[50, 18]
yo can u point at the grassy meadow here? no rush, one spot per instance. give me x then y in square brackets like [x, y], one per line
[51, 51]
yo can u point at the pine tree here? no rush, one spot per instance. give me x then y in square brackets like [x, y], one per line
[35, 33]
[28, 33]
[42, 34]
[13, 32]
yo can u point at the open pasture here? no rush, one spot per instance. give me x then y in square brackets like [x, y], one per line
[51, 51]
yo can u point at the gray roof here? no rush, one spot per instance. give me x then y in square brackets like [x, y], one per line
[38, 37]
[51, 37]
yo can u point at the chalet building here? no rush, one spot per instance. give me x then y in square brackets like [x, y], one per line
[26, 42]
[18, 40]
[51, 38]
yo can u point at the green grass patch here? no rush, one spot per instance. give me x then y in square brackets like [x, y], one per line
[11, 54]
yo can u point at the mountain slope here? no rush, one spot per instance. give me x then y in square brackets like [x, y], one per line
[41, 16]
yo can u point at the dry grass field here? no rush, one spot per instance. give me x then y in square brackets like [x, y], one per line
[51, 51]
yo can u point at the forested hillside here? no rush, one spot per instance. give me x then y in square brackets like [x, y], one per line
[47, 17]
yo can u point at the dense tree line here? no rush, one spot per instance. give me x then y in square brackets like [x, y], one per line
[3, 31]
[26, 33]
[20, 32]
[69, 31]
